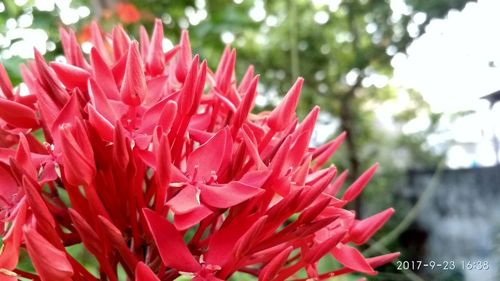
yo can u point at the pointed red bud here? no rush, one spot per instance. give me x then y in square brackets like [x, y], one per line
[245, 81]
[133, 87]
[154, 62]
[121, 42]
[17, 115]
[284, 114]
[50, 263]
[71, 76]
[303, 138]
[271, 269]
[363, 230]
[161, 148]
[96, 39]
[351, 258]
[5, 84]
[103, 71]
[334, 188]
[89, 237]
[116, 238]
[71, 48]
[49, 82]
[246, 104]
[357, 187]
[184, 60]
[9, 254]
[187, 93]
[325, 152]
[383, 259]
[224, 82]
[78, 159]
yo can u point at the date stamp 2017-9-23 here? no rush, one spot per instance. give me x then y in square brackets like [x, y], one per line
[417, 265]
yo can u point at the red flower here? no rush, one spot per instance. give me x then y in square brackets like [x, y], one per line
[166, 170]
[127, 13]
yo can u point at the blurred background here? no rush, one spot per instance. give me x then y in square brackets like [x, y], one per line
[413, 83]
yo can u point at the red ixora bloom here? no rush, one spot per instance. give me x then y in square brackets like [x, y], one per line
[127, 13]
[154, 162]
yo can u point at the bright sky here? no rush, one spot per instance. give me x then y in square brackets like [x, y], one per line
[452, 65]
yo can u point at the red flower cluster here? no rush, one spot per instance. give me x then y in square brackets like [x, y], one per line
[154, 162]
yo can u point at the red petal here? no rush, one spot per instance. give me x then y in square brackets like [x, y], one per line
[9, 186]
[207, 159]
[50, 263]
[252, 150]
[17, 115]
[38, 206]
[161, 114]
[101, 124]
[185, 201]
[157, 90]
[144, 273]
[187, 220]
[9, 255]
[101, 101]
[67, 115]
[227, 195]
[173, 251]
[103, 72]
[302, 171]
[350, 257]
[222, 242]
[71, 76]
[255, 178]
[24, 158]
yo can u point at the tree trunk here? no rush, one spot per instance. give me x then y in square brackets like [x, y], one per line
[347, 125]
